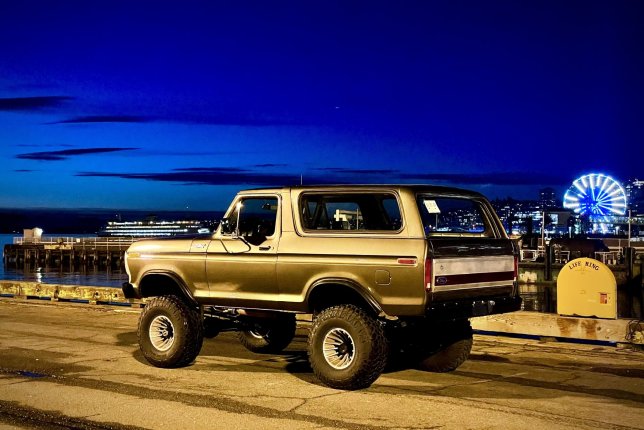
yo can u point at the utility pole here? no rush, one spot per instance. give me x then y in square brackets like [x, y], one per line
[629, 228]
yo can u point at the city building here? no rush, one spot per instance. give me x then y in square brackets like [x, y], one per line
[547, 198]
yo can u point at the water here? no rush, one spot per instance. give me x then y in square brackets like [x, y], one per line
[90, 276]
[540, 298]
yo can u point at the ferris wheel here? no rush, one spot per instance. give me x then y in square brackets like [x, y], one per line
[595, 194]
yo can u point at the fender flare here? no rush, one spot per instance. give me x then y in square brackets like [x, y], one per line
[348, 283]
[175, 278]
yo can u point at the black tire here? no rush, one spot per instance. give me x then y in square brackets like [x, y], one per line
[170, 332]
[356, 347]
[269, 335]
[450, 350]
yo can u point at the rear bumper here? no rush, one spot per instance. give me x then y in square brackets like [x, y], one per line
[468, 308]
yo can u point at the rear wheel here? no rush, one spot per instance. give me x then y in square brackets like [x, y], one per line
[269, 335]
[347, 348]
[450, 350]
[170, 332]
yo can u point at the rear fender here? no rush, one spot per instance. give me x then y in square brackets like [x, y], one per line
[329, 292]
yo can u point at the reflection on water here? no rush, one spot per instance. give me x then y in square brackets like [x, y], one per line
[52, 275]
[539, 297]
[83, 275]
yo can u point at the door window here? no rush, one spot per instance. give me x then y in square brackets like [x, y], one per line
[255, 217]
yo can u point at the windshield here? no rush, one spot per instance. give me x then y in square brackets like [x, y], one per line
[453, 216]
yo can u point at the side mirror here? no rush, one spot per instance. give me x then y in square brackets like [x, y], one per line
[227, 227]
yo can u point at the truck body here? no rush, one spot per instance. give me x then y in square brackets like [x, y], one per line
[399, 255]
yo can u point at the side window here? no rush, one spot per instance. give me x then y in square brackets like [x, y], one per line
[256, 217]
[350, 212]
[452, 215]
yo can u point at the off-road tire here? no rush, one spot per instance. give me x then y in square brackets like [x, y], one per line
[450, 350]
[170, 332]
[269, 335]
[356, 347]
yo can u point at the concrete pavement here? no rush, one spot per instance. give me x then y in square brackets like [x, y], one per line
[78, 366]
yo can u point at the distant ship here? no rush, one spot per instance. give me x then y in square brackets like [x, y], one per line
[153, 228]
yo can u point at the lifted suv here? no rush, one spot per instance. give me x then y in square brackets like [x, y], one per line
[382, 269]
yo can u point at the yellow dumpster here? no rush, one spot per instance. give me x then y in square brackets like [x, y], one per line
[587, 287]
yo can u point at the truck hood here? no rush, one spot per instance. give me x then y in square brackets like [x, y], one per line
[166, 244]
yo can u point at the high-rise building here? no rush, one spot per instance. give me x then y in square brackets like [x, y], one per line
[635, 195]
[547, 198]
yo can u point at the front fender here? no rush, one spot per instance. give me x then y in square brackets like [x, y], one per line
[162, 282]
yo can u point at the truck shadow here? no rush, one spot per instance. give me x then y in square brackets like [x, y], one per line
[483, 376]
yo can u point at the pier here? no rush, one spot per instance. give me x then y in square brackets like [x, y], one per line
[71, 252]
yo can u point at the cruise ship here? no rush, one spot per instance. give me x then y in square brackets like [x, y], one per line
[153, 228]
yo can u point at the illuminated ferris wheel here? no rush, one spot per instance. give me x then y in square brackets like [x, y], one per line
[595, 194]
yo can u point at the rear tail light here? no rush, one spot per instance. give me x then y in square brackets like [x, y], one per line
[516, 267]
[428, 274]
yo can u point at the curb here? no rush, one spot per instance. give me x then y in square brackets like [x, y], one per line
[66, 293]
[515, 324]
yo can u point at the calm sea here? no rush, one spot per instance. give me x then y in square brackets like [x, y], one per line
[54, 275]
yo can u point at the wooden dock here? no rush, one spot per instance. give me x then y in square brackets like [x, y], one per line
[72, 252]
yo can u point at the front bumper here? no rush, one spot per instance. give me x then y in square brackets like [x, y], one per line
[468, 308]
[129, 291]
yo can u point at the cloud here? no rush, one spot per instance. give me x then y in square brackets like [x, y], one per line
[206, 176]
[254, 176]
[228, 119]
[358, 172]
[499, 178]
[66, 153]
[239, 119]
[32, 103]
[270, 165]
[102, 119]
[24, 170]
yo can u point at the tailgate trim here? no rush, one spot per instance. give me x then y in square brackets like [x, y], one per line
[472, 272]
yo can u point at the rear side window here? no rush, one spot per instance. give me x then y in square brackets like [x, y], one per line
[350, 212]
[452, 215]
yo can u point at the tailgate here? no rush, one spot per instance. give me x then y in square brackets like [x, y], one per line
[473, 267]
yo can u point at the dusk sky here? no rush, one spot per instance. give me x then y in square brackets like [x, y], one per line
[173, 105]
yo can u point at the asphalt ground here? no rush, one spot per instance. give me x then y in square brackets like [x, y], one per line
[79, 366]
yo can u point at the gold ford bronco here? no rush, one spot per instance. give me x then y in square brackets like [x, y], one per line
[386, 271]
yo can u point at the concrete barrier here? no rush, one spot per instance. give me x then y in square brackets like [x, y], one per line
[70, 293]
[542, 325]
[522, 323]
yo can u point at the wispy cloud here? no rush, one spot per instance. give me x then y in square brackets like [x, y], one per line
[67, 153]
[358, 172]
[257, 176]
[32, 103]
[206, 176]
[103, 119]
[494, 178]
[228, 119]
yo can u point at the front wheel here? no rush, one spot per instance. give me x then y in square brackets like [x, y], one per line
[270, 335]
[170, 332]
[347, 348]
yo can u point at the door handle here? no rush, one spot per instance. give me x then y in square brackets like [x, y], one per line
[265, 248]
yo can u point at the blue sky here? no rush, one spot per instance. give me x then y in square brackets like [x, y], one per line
[173, 105]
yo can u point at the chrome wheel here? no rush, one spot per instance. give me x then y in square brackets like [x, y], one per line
[161, 333]
[338, 348]
[258, 334]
